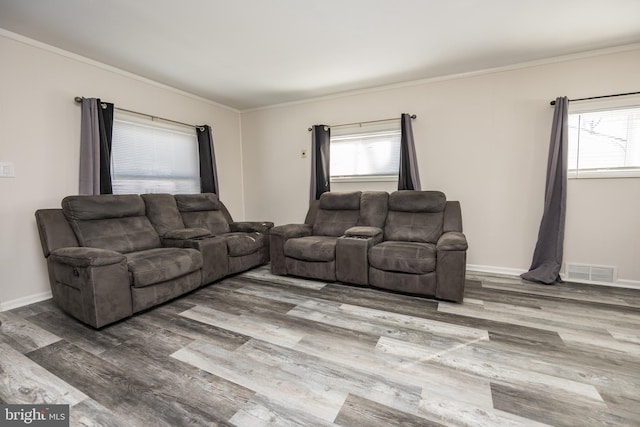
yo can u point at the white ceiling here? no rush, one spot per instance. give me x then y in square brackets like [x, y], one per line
[252, 53]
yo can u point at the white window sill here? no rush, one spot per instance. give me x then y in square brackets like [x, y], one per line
[365, 178]
[604, 173]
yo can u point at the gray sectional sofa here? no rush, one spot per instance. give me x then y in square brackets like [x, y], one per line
[110, 256]
[407, 241]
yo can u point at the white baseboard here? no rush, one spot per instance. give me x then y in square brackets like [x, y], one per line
[20, 302]
[514, 272]
[500, 271]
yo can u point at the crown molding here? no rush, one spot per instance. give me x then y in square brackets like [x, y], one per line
[486, 71]
[74, 56]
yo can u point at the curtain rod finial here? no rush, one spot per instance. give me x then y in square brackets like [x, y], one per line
[78, 99]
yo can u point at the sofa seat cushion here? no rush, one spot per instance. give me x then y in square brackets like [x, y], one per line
[404, 257]
[239, 244]
[311, 248]
[159, 265]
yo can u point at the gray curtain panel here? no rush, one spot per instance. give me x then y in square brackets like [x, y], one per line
[95, 146]
[208, 169]
[547, 256]
[408, 176]
[320, 150]
[89, 147]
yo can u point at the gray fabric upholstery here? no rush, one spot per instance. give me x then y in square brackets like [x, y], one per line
[203, 211]
[311, 248]
[239, 244]
[362, 231]
[86, 208]
[54, 230]
[452, 241]
[150, 296]
[413, 226]
[373, 208]
[96, 295]
[452, 220]
[161, 264]
[85, 257]
[214, 221]
[114, 222]
[311, 269]
[419, 284]
[187, 233]
[336, 213]
[352, 254]
[162, 211]
[404, 257]
[197, 202]
[417, 201]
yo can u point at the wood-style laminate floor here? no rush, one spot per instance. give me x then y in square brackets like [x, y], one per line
[257, 349]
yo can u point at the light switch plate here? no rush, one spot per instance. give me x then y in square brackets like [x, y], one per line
[7, 170]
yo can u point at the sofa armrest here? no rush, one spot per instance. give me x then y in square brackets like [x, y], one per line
[186, 234]
[451, 253]
[278, 236]
[86, 257]
[91, 284]
[251, 226]
[363, 232]
[289, 231]
[452, 241]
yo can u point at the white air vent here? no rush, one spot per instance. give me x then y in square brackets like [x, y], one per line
[591, 273]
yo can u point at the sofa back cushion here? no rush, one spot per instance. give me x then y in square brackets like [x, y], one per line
[202, 211]
[114, 222]
[373, 208]
[336, 213]
[163, 212]
[415, 216]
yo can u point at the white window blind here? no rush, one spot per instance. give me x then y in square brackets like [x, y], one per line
[604, 143]
[147, 157]
[365, 152]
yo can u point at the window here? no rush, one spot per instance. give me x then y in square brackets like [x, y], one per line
[152, 157]
[604, 143]
[367, 152]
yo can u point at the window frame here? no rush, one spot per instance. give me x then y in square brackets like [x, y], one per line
[591, 106]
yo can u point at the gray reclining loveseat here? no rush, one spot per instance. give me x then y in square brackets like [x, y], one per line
[407, 241]
[107, 258]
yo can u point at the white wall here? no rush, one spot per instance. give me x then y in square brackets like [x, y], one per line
[40, 134]
[482, 139]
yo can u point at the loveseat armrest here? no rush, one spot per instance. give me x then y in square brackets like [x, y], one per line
[251, 226]
[91, 284]
[363, 232]
[278, 236]
[452, 241]
[289, 231]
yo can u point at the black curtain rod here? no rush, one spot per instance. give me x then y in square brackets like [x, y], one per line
[79, 99]
[598, 97]
[413, 116]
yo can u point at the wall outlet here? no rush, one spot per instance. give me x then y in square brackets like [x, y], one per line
[303, 153]
[7, 170]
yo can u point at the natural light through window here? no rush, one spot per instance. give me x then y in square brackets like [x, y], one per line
[604, 143]
[365, 152]
[153, 158]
